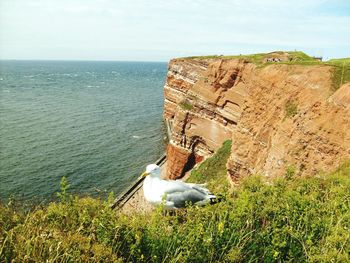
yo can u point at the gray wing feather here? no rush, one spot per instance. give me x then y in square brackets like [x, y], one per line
[178, 186]
[180, 199]
[201, 189]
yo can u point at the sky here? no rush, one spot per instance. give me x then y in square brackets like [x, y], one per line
[158, 30]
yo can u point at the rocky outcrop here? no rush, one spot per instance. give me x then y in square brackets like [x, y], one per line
[277, 115]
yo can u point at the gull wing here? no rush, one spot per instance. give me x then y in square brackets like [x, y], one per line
[174, 186]
[180, 193]
[180, 199]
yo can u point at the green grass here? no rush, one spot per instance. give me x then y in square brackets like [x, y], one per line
[258, 59]
[288, 220]
[340, 60]
[213, 170]
[290, 109]
[185, 105]
[341, 73]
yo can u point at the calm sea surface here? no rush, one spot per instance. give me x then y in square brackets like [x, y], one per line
[97, 123]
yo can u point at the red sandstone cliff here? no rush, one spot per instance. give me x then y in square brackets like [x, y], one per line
[209, 100]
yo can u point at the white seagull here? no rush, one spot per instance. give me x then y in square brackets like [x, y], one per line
[173, 194]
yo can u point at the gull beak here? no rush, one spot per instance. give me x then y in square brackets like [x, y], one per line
[144, 174]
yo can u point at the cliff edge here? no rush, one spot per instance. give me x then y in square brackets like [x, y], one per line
[281, 109]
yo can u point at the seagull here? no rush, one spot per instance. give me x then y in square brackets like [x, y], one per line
[173, 194]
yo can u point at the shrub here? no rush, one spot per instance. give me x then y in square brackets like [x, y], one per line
[63, 194]
[290, 172]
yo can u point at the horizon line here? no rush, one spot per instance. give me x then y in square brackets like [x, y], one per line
[85, 60]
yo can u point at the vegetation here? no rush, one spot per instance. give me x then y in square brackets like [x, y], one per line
[289, 219]
[290, 172]
[291, 109]
[340, 60]
[258, 59]
[213, 170]
[341, 72]
[186, 105]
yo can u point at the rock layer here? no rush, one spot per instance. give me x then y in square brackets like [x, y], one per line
[211, 100]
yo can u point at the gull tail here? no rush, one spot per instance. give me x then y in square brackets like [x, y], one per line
[213, 199]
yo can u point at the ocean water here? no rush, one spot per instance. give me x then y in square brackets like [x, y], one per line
[97, 123]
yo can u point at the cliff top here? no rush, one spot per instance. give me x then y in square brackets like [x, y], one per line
[341, 66]
[260, 58]
[293, 57]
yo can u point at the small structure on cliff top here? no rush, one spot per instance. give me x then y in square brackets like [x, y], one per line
[277, 57]
[273, 60]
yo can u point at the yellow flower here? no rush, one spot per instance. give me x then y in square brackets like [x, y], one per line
[221, 227]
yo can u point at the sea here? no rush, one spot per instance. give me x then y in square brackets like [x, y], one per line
[97, 123]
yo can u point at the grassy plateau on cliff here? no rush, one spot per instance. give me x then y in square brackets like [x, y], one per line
[341, 67]
[288, 219]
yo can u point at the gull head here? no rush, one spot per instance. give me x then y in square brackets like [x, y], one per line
[152, 170]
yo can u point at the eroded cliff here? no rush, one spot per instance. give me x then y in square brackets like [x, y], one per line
[278, 112]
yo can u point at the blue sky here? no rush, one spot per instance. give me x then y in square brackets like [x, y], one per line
[158, 30]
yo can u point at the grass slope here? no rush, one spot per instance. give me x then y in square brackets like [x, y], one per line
[341, 74]
[213, 170]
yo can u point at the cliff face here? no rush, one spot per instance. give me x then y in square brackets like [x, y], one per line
[203, 108]
[315, 137]
[277, 115]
